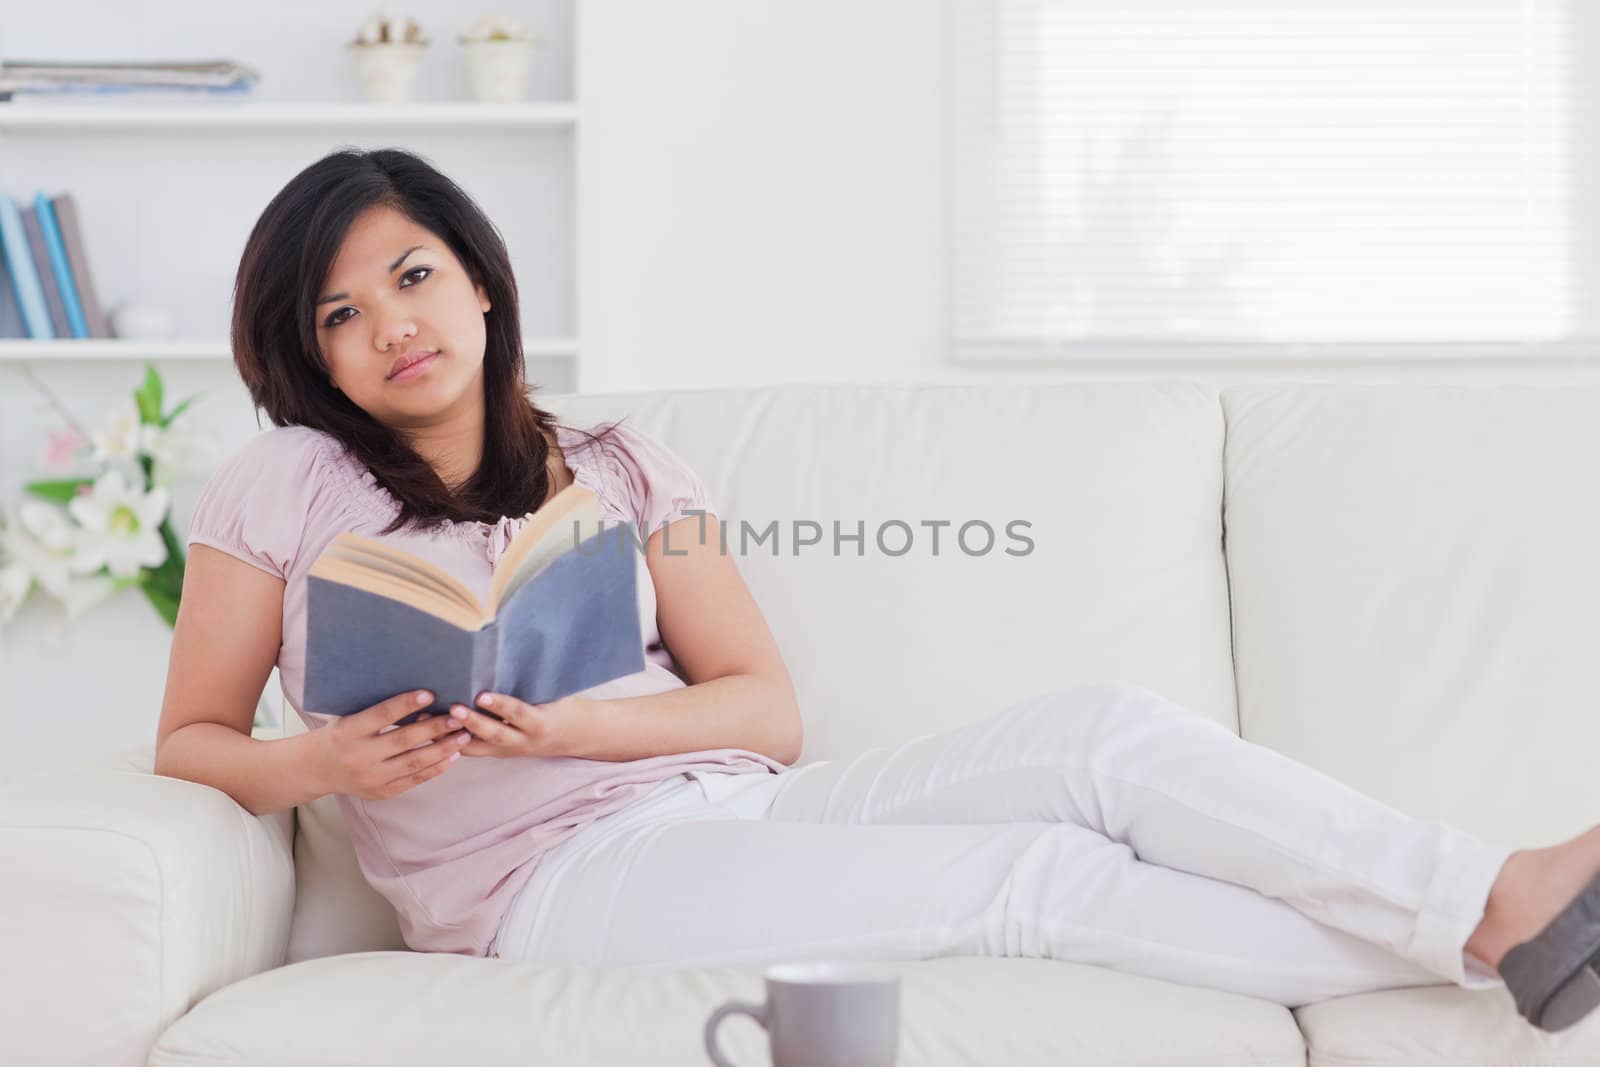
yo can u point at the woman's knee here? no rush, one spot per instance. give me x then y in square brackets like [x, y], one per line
[1094, 712]
[1102, 698]
[1051, 714]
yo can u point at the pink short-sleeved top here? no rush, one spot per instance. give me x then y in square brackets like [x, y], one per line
[450, 853]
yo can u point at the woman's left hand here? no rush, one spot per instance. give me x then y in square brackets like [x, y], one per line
[525, 730]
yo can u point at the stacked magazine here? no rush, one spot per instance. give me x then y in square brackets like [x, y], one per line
[53, 78]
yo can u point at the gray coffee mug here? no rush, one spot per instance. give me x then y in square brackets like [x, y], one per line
[823, 1015]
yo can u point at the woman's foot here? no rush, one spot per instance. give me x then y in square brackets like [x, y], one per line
[1534, 886]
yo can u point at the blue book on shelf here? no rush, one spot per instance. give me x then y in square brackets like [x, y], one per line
[11, 325]
[59, 265]
[24, 277]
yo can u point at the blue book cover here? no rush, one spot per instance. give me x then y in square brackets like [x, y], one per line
[59, 265]
[11, 325]
[24, 277]
[562, 617]
[47, 278]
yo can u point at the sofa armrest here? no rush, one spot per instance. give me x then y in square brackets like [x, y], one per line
[125, 898]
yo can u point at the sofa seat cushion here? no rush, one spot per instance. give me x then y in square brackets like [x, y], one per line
[1438, 1025]
[401, 1008]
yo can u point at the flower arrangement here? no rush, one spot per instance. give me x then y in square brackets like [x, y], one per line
[390, 29]
[499, 55]
[388, 50]
[81, 538]
[495, 28]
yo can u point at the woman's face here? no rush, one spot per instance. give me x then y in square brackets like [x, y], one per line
[395, 293]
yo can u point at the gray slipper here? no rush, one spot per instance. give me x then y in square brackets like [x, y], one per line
[1555, 978]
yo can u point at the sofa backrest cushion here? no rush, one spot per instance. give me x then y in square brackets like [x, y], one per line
[1120, 484]
[1416, 593]
[1119, 575]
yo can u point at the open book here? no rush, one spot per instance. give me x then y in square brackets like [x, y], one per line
[562, 616]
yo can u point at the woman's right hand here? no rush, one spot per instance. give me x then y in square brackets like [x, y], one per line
[358, 759]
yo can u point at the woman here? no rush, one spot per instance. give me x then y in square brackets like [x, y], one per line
[656, 821]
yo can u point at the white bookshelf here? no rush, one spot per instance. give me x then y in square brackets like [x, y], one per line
[69, 118]
[114, 350]
[167, 186]
[552, 361]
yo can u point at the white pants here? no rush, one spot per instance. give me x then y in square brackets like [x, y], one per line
[1101, 824]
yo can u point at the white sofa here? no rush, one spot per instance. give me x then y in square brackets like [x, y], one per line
[1397, 584]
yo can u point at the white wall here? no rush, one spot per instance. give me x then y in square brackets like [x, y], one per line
[761, 192]
[763, 201]
[760, 200]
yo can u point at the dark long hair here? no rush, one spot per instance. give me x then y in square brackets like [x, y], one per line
[273, 334]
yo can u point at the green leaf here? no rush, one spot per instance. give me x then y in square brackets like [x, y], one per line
[119, 584]
[148, 396]
[179, 410]
[167, 578]
[162, 599]
[175, 557]
[58, 491]
[163, 585]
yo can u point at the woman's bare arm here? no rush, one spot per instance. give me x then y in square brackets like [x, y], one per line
[740, 696]
[224, 645]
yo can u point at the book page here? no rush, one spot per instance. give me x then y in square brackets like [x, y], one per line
[361, 575]
[389, 564]
[579, 526]
[573, 625]
[437, 576]
[542, 538]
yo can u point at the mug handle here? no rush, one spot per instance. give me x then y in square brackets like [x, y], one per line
[758, 1012]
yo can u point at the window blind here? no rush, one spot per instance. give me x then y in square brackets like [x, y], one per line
[1256, 171]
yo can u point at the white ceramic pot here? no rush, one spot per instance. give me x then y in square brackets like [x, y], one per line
[499, 70]
[388, 72]
[143, 322]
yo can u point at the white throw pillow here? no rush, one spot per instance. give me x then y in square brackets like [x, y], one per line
[335, 909]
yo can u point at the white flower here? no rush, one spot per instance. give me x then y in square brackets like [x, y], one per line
[492, 27]
[41, 542]
[84, 592]
[121, 527]
[15, 582]
[380, 28]
[120, 438]
[170, 446]
[42, 539]
[48, 524]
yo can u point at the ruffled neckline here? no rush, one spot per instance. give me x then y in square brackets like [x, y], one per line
[493, 537]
